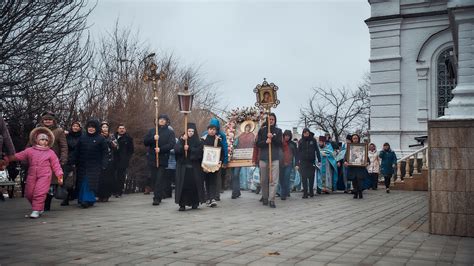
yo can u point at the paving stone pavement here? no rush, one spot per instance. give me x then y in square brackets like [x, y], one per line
[381, 229]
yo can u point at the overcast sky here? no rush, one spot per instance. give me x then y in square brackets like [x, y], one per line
[298, 45]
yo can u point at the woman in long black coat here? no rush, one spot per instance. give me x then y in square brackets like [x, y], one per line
[90, 159]
[72, 139]
[189, 189]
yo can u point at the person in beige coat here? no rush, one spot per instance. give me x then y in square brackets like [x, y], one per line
[49, 120]
[374, 166]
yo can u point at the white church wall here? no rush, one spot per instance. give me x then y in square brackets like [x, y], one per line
[400, 94]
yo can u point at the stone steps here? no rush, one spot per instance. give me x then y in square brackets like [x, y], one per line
[417, 182]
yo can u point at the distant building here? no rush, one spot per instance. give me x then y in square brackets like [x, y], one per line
[413, 64]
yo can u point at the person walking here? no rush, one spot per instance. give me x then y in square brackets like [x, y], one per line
[274, 139]
[356, 173]
[90, 159]
[189, 190]
[211, 175]
[123, 152]
[42, 163]
[59, 146]
[288, 163]
[374, 166]
[166, 142]
[70, 174]
[307, 152]
[106, 180]
[388, 165]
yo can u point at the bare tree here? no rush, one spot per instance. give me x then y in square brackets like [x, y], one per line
[43, 56]
[336, 111]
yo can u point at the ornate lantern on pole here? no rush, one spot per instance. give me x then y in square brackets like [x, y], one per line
[151, 75]
[267, 98]
[185, 100]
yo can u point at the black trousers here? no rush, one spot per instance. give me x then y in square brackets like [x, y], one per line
[374, 180]
[157, 176]
[168, 181]
[211, 185]
[307, 177]
[387, 179]
[119, 180]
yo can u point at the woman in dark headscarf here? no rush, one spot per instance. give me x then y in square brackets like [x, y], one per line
[189, 188]
[90, 158]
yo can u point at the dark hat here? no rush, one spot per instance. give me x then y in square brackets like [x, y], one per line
[193, 126]
[76, 123]
[306, 130]
[322, 138]
[349, 137]
[104, 123]
[166, 117]
[48, 115]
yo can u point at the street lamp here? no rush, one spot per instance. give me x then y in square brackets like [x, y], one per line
[185, 100]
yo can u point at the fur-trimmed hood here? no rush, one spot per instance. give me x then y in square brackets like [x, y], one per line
[42, 130]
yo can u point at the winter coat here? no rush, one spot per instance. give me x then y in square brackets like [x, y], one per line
[308, 150]
[209, 141]
[215, 122]
[374, 166]
[289, 153]
[90, 156]
[166, 142]
[276, 143]
[124, 150]
[6, 144]
[389, 158]
[72, 138]
[42, 161]
[194, 160]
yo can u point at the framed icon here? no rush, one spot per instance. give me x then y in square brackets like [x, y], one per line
[357, 154]
[266, 95]
[211, 159]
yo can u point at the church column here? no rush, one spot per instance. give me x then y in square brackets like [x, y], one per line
[462, 105]
[422, 89]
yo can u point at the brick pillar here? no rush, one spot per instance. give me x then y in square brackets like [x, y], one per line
[451, 177]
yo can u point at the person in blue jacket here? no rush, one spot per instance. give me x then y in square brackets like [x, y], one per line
[215, 122]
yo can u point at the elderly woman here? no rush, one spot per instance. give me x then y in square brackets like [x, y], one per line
[90, 158]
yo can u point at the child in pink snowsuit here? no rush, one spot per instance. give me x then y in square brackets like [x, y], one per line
[41, 159]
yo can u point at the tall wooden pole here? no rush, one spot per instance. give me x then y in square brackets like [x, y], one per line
[155, 98]
[186, 132]
[270, 177]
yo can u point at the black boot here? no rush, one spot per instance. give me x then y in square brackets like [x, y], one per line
[360, 194]
[47, 203]
[356, 195]
[65, 202]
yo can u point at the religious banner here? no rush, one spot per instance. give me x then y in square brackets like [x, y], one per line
[241, 132]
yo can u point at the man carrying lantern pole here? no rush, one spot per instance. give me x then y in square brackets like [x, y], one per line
[269, 142]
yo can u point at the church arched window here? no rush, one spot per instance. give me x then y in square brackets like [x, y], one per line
[446, 70]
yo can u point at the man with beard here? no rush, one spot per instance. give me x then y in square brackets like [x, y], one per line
[166, 142]
[327, 174]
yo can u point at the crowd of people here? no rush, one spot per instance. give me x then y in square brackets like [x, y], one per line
[90, 164]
